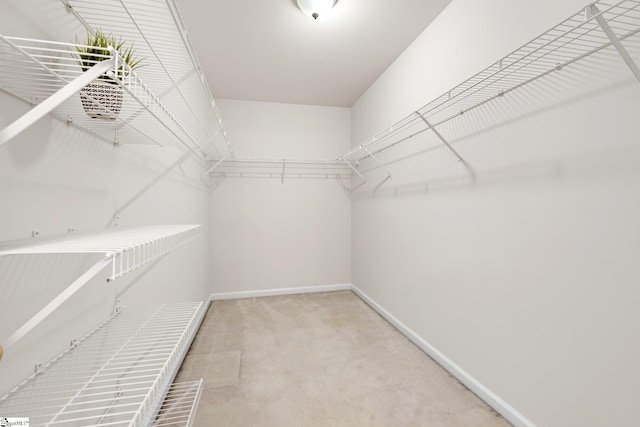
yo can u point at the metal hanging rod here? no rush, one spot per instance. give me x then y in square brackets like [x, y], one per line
[279, 161]
[282, 167]
[281, 176]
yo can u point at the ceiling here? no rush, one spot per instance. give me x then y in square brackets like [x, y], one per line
[268, 50]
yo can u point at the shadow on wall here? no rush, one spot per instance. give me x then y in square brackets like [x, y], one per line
[29, 283]
[579, 121]
[591, 166]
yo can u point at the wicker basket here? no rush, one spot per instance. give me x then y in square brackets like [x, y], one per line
[102, 99]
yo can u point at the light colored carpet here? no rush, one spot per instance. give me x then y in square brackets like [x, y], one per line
[320, 360]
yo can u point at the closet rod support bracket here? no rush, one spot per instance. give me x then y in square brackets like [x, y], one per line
[56, 302]
[158, 178]
[593, 12]
[49, 104]
[208, 171]
[364, 180]
[375, 159]
[459, 158]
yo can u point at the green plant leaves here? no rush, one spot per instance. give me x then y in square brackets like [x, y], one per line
[95, 49]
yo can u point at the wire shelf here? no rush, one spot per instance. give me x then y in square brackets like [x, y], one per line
[179, 406]
[157, 31]
[282, 168]
[34, 70]
[117, 375]
[128, 248]
[573, 39]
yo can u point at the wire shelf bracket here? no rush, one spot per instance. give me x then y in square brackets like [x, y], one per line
[459, 158]
[592, 11]
[121, 373]
[125, 249]
[380, 164]
[186, 156]
[211, 169]
[364, 180]
[48, 105]
[165, 39]
[47, 74]
[583, 34]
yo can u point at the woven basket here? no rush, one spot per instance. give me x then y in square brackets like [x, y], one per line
[101, 99]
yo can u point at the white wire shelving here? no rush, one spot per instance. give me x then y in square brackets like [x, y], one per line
[180, 404]
[124, 249]
[158, 32]
[600, 25]
[49, 76]
[181, 108]
[119, 374]
[283, 168]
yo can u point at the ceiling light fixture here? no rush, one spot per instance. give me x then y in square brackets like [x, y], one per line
[316, 8]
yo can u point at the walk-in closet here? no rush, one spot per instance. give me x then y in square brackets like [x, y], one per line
[319, 213]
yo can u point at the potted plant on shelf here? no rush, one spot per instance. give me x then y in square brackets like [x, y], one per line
[102, 98]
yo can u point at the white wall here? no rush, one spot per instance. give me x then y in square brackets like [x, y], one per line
[54, 177]
[527, 280]
[270, 235]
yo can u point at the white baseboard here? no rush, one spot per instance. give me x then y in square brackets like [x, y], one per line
[502, 407]
[283, 291]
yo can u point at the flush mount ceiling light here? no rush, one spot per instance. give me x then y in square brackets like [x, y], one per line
[316, 8]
